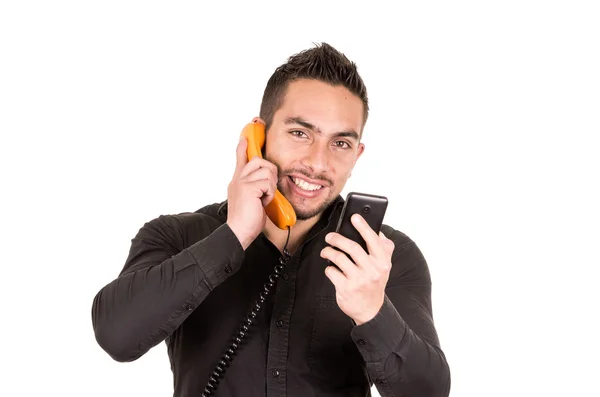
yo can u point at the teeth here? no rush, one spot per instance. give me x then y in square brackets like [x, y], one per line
[305, 185]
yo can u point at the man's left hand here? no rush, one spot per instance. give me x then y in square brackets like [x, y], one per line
[360, 286]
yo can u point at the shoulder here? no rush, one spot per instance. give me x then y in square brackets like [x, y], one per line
[184, 228]
[210, 214]
[408, 262]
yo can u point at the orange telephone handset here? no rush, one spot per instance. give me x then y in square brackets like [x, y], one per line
[279, 210]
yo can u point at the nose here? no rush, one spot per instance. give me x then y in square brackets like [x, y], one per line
[317, 159]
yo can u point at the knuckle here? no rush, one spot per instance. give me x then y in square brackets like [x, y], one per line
[362, 284]
[355, 247]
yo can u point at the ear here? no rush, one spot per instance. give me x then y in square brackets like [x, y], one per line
[359, 152]
[361, 149]
[258, 120]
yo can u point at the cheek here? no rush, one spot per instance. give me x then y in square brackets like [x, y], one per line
[344, 166]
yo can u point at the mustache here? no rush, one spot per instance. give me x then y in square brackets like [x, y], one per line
[309, 176]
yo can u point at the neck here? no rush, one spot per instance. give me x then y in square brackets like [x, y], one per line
[297, 235]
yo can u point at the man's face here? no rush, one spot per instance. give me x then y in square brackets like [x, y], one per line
[314, 142]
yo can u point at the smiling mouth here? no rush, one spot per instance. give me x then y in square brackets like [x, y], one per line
[302, 184]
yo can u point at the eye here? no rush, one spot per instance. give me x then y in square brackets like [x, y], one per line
[297, 133]
[337, 143]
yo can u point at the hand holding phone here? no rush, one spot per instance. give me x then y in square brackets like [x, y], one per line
[371, 207]
[360, 276]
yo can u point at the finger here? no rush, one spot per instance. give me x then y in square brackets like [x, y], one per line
[241, 155]
[256, 163]
[387, 243]
[261, 174]
[342, 261]
[262, 189]
[336, 277]
[374, 245]
[352, 248]
[250, 167]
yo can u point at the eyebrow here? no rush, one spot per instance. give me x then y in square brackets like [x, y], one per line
[306, 124]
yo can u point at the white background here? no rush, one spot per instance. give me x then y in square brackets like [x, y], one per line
[483, 134]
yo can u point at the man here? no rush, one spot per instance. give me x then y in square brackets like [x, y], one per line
[191, 279]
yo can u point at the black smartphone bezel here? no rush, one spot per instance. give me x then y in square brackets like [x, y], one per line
[356, 203]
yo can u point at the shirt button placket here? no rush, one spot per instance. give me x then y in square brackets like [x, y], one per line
[279, 333]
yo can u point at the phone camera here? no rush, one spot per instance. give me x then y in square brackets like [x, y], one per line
[366, 209]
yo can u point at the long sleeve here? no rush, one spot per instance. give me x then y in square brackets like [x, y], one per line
[400, 344]
[161, 284]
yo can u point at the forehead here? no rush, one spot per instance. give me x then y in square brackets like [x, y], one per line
[332, 108]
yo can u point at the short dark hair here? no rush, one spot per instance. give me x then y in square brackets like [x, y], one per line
[323, 63]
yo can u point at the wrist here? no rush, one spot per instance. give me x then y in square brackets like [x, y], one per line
[244, 240]
[360, 320]
[367, 315]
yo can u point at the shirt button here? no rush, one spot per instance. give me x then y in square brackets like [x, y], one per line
[228, 269]
[285, 276]
[379, 381]
[361, 342]
[275, 373]
[279, 323]
[188, 307]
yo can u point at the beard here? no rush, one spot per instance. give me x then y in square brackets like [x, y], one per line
[306, 211]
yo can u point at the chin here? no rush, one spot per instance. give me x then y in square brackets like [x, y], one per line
[306, 203]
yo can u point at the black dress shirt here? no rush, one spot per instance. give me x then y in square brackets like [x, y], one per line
[188, 282]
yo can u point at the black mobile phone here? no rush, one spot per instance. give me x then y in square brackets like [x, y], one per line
[371, 207]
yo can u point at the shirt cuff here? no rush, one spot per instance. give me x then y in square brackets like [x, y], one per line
[219, 255]
[378, 337]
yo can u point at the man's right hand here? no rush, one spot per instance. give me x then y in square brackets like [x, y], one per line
[251, 189]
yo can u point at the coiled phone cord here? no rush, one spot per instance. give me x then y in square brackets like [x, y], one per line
[238, 339]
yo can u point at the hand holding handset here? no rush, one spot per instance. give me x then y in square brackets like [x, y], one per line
[279, 210]
[371, 207]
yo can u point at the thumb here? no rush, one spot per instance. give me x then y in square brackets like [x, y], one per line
[388, 244]
[241, 155]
